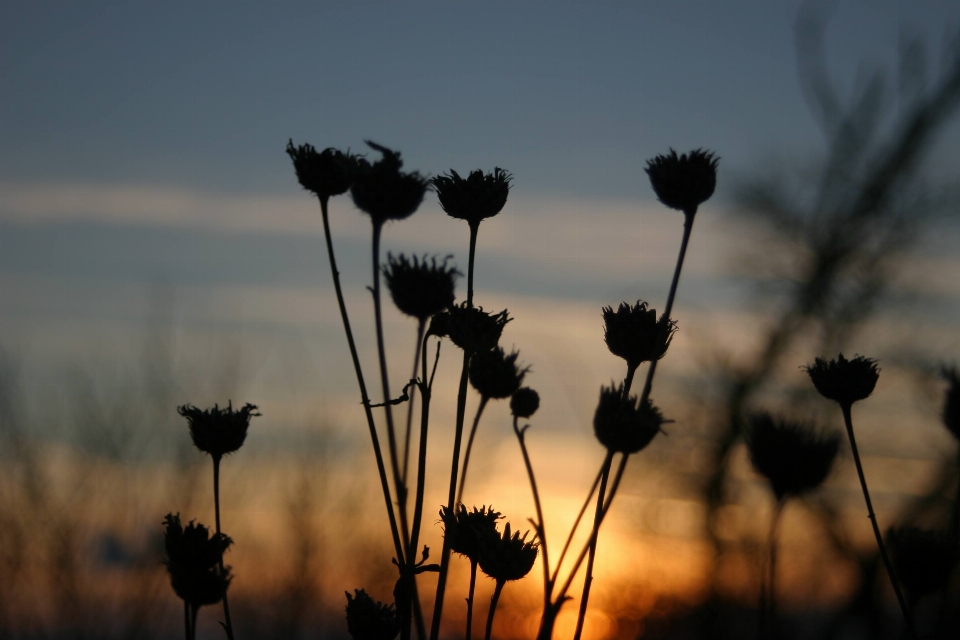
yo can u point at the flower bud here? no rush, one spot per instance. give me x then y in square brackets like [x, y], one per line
[686, 182]
[792, 456]
[475, 198]
[496, 375]
[844, 381]
[218, 431]
[524, 402]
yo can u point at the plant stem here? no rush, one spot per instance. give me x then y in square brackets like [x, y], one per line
[193, 622]
[473, 586]
[768, 597]
[576, 524]
[588, 578]
[466, 456]
[493, 608]
[541, 525]
[848, 422]
[216, 504]
[426, 393]
[186, 617]
[421, 327]
[457, 438]
[371, 426]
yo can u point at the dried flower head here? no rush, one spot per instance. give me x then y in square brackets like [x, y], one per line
[951, 402]
[328, 173]
[844, 381]
[494, 374]
[508, 557]
[465, 530]
[383, 191]
[794, 457]
[193, 559]
[420, 288]
[621, 424]
[635, 334]
[524, 402]
[218, 431]
[477, 197]
[473, 329]
[923, 560]
[686, 182]
[368, 619]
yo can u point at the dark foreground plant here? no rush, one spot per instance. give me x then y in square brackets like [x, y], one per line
[218, 432]
[505, 558]
[465, 532]
[846, 382]
[368, 619]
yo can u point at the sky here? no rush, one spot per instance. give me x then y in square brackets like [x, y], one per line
[145, 191]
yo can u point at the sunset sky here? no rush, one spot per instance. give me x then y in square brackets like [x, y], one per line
[144, 188]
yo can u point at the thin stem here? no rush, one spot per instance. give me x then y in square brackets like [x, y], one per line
[421, 327]
[954, 530]
[576, 524]
[473, 586]
[186, 617]
[768, 613]
[365, 400]
[457, 437]
[216, 505]
[426, 392]
[588, 578]
[193, 622]
[628, 381]
[454, 466]
[541, 526]
[848, 421]
[466, 456]
[493, 608]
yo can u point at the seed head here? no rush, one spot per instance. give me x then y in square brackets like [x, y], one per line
[472, 199]
[621, 425]
[473, 329]
[368, 619]
[508, 557]
[384, 192]
[793, 456]
[524, 402]
[635, 334]
[495, 374]
[844, 381]
[328, 173]
[193, 561]
[465, 530]
[418, 288]
[218, 431]
[922, 559]
[686, 182]
[951, 402]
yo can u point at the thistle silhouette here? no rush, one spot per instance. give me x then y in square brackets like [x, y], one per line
[368, 619]
[465, 532]
[505, 558]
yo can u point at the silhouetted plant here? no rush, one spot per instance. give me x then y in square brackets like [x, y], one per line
[195, 564]
[924, 560]
[418, 288]
[505, 558]
[685, 182]
[218, 432]
[635, 334]
[621, 424]
[524, 402]
[465, 531]
[473, 329]
[328, 173]
[369, 619]
[951, 402]
[384, 192]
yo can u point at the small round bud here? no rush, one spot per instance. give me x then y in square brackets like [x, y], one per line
[524, 402]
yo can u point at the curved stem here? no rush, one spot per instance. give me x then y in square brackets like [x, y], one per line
[588, 578]
[457, 438]
[493, 608]
[466, 456]
[848, 421]
[365, 400]
[541, 526]
[473, 586]
[216, 504]
[421, 327]
[576, 524]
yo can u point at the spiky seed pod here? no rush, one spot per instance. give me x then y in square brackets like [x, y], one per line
[420, 288]
[508, 557]
[495, 375]
[635, 334]
[465, 530]
[793, 457]
[193, 559]
[951, 402]
[439, 325]
[473, 329]
[328, 173]
[368, 619]
[384, 192]
[924, 560]
[685, 182]
[621, 424]
[524, 402]
[218, 431]
[475, 198]
[844, 381]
